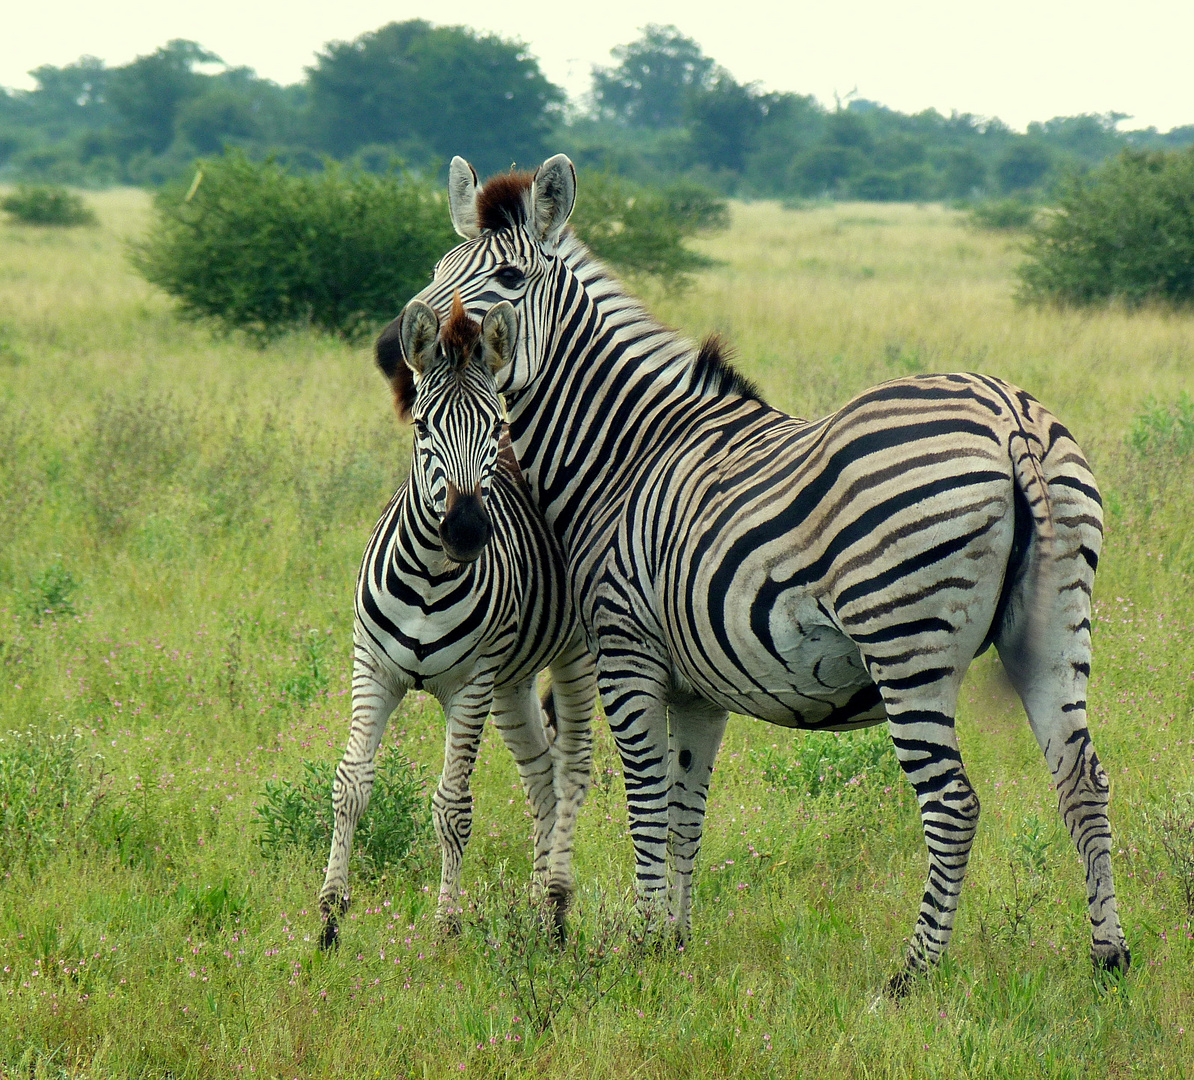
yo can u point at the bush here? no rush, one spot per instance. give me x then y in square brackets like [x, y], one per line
[254, 248]
[392, 832]
[1002, 215]
[1159, 428]
[641, 231]
[43, 204]
[1123, 231]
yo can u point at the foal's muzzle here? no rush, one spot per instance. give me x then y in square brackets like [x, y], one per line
[465, 528]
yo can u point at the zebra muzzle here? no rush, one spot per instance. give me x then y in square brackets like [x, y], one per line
[465, 528]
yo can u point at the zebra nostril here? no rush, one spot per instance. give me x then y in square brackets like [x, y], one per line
[465, 528]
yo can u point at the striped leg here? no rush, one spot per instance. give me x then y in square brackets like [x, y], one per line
[374, 697]
[574, 692]
[519, 721]
[1047, 656]
[695, 730]
[452, 803]
[921, 723]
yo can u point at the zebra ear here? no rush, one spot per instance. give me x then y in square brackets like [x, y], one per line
[462, 198]
[418, 330]
[553, 195]
[498, 332]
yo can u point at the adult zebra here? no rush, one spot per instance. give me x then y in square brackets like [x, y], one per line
[461, 591]
[726, 556]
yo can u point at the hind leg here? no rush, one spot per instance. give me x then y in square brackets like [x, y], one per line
[1050, 674]
[574, 694]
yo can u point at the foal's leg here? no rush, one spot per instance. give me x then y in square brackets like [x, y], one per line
[375, 695]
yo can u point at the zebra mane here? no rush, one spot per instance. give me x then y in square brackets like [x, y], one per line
[459, 335]
[711, 366]
[505, 201]
[388, 352]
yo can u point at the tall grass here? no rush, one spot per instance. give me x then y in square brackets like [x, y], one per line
[180, 522]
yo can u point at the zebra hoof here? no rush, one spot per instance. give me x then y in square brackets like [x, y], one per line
[1110, 957]
[901, 984]
[330, 938]
[449, 923]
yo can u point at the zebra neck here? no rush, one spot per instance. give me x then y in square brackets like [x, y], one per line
[417, 534]
[615, 387]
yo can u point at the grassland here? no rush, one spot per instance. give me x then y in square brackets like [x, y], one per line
[180, 520]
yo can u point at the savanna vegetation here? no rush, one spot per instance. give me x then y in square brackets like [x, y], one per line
[180, 521]
[662, 108]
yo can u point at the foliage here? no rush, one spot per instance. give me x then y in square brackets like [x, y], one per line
[48, 788]
[828, 763]
[43, 204]
[394, 831]
[641, 231]
[1160, 428]
[1175, 829]
[1002, 215]
[1124, 231]
[432, 92]
[254, 248]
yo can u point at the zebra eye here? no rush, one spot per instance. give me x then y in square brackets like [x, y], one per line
[497, 428]
[509, 276]
[421, 429]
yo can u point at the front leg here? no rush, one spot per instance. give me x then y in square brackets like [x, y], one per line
[695, 730]
[636, 707]
[375, 695]
[452, 803]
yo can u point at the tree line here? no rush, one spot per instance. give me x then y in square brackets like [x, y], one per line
[418, 93]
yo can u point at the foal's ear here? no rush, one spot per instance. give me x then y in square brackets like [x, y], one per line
[462, 198]
[417, 329]
[497, 332]
[553, 195]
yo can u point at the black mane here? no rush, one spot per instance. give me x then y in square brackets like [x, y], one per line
[713, 368]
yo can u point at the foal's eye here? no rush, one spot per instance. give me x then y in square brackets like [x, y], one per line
[421, 429]
[497, 429]
[509, 276]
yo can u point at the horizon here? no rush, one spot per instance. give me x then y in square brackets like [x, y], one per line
[918, 59]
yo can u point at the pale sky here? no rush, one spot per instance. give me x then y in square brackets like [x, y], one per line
[1020, 60]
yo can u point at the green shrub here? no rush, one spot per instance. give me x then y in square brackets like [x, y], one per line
[1002, 215]
[43, 204]
[641, 231]
[1159, 428]
[828, 762]
[254, 248]
[1124, 231]
[393, 831]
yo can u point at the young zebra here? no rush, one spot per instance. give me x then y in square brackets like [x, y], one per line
[725, 556]
[461, 591]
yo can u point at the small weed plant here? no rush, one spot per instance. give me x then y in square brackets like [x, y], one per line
[1160, 428]
[1175, 831]
[44, 204]
[829, 762]
[394, 831]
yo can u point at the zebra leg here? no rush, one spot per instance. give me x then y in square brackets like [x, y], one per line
[574, 694]
[1048, 662]
[375, 696]
[637, 712]
[695, 730]
[519, 721]
[921, 724]
[452, 803]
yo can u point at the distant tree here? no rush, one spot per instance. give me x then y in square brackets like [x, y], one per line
[820, 170]
[72, 96]
[444, 87]
[148, 93]
[216, 117]
[722, 121]
[963, 172]
[1022, 166]
[791, 124]
[654, 79]
[1089, 137]
[847, 127]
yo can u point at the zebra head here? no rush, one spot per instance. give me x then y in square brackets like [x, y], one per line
[513, 228]
[443, 380]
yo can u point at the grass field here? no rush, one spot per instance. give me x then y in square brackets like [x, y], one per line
[180, 522]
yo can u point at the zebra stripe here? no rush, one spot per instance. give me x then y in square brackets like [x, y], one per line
[473, 622]
[725, 556]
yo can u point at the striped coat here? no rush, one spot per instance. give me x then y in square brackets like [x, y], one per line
[461, 592]
[727, 557]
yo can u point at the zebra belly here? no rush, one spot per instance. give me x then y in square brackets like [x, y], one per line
[811, 675]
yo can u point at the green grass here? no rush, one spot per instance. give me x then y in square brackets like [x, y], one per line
[180, 523]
